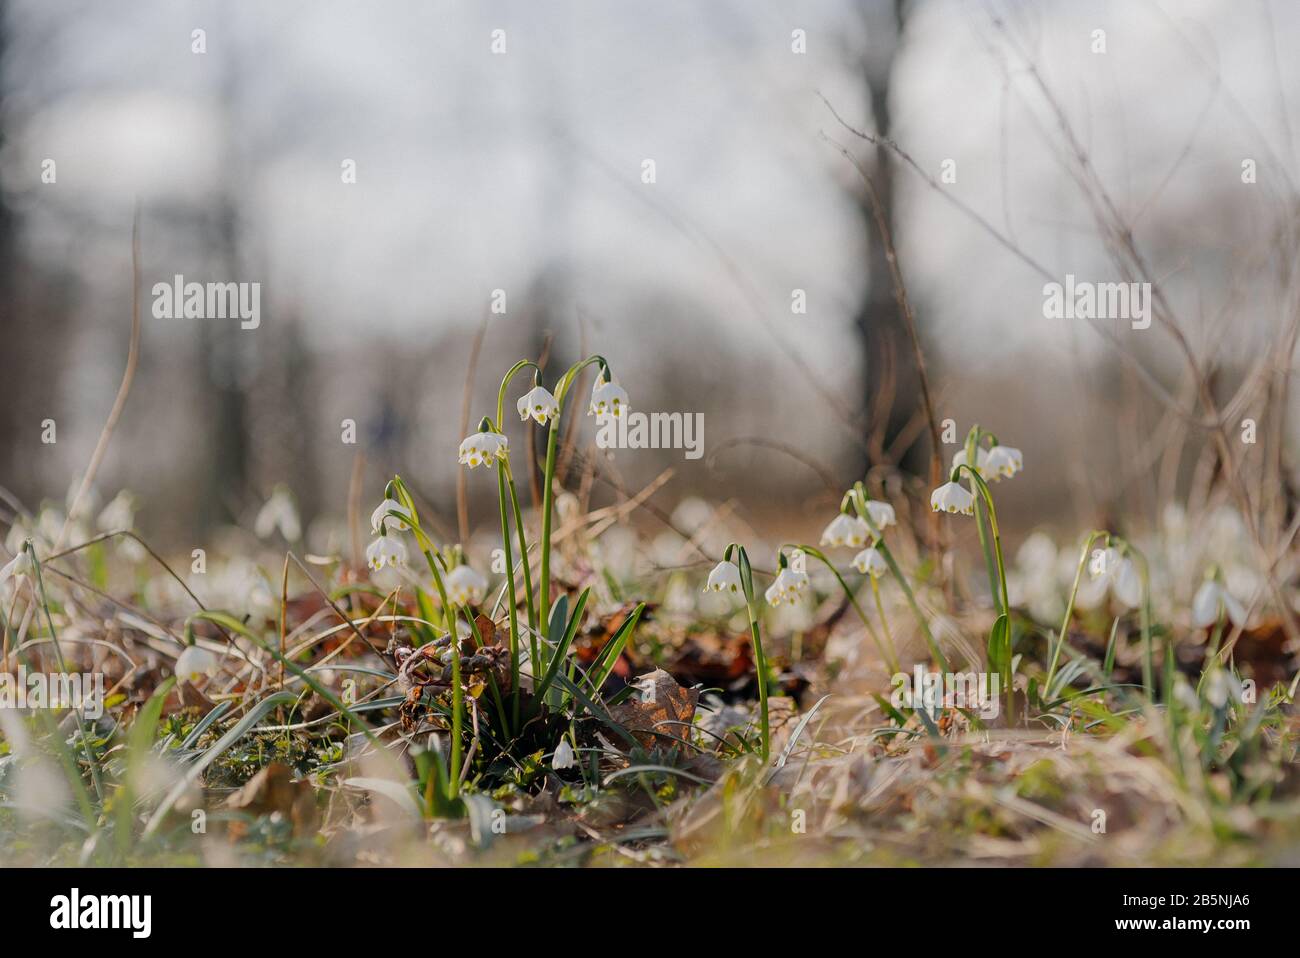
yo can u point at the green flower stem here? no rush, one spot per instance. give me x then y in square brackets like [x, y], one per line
[505, 384]
[548, 504]
[1148, 654]
[890, 660]
[1069, 607]
[859, 498]
[91, 761]
[1212, 648]
[514, 601]
[981, 520]
[523, 549]
[987, 496]
[457, 690]
[884, 622]
[548, 478]
[760, 659]
[514, 496]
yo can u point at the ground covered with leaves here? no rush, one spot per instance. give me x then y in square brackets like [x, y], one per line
[320, 726]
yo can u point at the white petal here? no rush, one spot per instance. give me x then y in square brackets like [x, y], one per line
[563, 757]
[1236, 611]
[1205, 605]
[1127, 586]
[882, 513]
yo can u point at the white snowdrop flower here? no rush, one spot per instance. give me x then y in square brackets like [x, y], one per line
[1103, 562]
[787, 587]
[19, 565]
[725, 577]
[539, 404]
[385, 551]
[1217, 688]
[953, 497]
[465, 586]
[981, 456]
[871, 561]
[278, 512]
[1185, 694]
[846, 530]
[1127, 584]
[1113, 571]
[1002, 462]
[563, 757]
[118, 514]
[881, 513]
[380, 518]
[482, 448]
[193, 663]
[607, 398]
[1210, 601]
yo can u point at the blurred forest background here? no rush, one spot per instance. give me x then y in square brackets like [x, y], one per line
[522, 171]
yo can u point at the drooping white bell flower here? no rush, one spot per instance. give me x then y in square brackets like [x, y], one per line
[981, 457]
[381, 517]
[787, 587]
[482, 448]
[882, 514]
[386, 551]
[954, 498]
[539, 404]
[19, 565]
[563, 757]
[1127, 586]
[846, 530]
[725, 577]
[1002, 462]
[465, 586]
[278, 512]
[1211, 601]
[1219, 688]
[607, 398]
[1116, 572]
[118, 514]
[193, 663]
[870, 561]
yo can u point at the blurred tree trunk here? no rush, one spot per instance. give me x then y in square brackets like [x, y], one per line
[891, 377]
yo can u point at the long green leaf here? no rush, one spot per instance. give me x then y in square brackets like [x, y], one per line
[586, 702]
[608, 658]
[255, 715]
[562, 646]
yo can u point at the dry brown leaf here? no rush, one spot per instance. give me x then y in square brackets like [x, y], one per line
[660, 700]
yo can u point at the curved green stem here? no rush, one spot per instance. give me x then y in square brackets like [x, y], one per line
[981, 521]
[1069, 608]
[91, 761]
[1148, 653]
[760, 658]
[548, 479]
[1005, 615]
[457, 691]
[884, 622]
[523, 546]
[891, 661]
[548, 504]
[987, 496]
[859, 499]
[514, 600]
[505, 383]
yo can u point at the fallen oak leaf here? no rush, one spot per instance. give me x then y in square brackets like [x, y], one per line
[663, 709]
